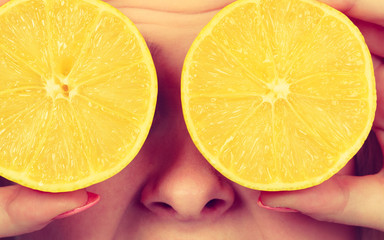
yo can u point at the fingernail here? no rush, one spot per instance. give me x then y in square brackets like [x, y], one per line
[93, 198]
[277, 209]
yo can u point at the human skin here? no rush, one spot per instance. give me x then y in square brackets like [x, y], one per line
[170, 191]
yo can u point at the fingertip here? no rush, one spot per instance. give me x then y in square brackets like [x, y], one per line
[67, 201]
[339, 5]
[2, 2]
[261, 204]
[92, 199]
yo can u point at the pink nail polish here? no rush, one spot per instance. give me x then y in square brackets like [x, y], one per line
[277, 209]
[93, 198]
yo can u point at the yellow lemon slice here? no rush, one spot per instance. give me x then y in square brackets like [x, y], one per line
[77, 92]
[278, 94]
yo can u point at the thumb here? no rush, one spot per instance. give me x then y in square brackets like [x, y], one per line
[25, 210]
[349, 200]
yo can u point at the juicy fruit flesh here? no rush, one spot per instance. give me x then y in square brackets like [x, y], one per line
[78, 90]
[282, 100]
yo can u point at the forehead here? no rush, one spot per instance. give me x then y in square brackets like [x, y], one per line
[169, 28]
[169, 45]
[173, 6]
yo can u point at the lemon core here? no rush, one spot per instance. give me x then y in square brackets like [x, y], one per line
[277, 90]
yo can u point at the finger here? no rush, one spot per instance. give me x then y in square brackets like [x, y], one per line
[343, 199]
[24, 210]
[367, 10]
[378, 124]
[3, 1]
[373, 35]
[380, 138]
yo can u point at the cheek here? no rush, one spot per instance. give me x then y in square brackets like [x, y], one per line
[121, 189]
[348, 169]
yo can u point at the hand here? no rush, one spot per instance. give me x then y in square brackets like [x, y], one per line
[24, 210]
[349, 200]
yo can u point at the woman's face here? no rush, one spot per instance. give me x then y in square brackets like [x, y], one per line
[169, 191]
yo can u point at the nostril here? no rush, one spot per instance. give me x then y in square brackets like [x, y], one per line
[162, 208]
[214, 205]
[162, 205]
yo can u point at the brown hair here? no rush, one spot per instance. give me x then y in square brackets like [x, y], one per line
[369, 160]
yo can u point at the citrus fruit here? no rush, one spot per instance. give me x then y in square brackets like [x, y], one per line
[77, 92]
[278, 94]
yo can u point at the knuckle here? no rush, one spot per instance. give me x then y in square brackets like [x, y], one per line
[334, 201]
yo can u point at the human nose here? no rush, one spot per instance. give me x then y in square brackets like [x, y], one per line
[189, 189]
